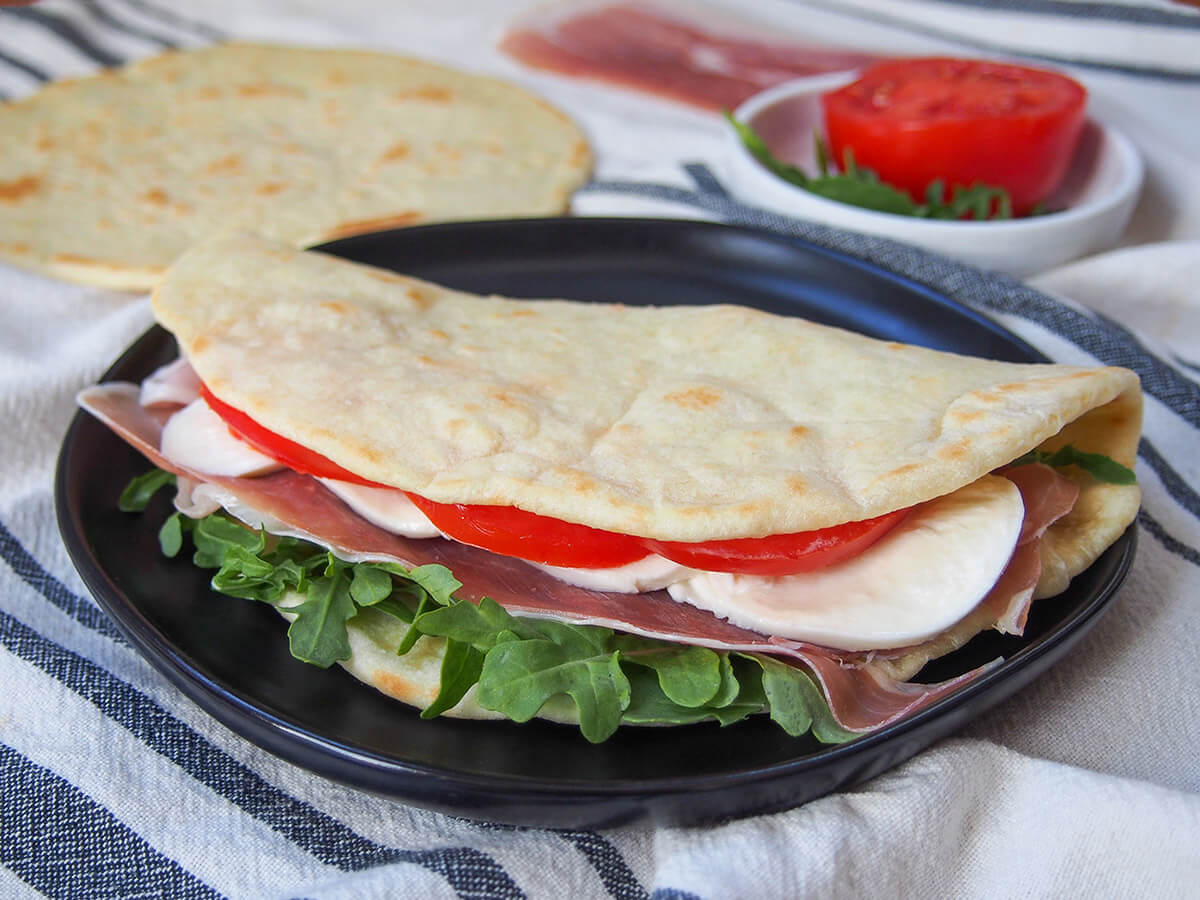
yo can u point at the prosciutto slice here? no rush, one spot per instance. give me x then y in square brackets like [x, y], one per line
[643, 47]
[861, 696]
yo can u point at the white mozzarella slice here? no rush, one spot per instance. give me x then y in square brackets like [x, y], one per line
[388, 508]
[652, 573]
[919, 579]
[176, 382]
[197, 438]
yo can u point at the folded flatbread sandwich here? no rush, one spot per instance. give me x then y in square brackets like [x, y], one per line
[611, 514]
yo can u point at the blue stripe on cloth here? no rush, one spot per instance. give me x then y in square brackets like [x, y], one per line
[64, 844]
[1181, 492]
[21, 66]
[1076, 9]
[924, 29]
[100, 14]
[1173, 544]
[35, 575]
[608, 863]
[170, 17]
[65, 31]
[470, 872]
[673, 894]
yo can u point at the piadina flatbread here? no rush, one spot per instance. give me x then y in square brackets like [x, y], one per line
[675, 423]
[106, 179]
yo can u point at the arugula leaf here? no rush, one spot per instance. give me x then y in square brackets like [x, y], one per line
[519, 676]
[170, 535]
[138, 492]
[861, 187]
[370, 585]
[461, 665]
[318, 633]
[689, 676]
[1099, 466]
[797, 704]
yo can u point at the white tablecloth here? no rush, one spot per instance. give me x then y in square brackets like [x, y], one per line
[1085, 783]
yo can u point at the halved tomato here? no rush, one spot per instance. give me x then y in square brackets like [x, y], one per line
[965, 122]
[542, 539]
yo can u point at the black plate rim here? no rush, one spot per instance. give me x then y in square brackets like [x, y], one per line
[232, 710]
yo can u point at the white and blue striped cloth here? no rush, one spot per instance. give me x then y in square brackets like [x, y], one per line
[1086, 783]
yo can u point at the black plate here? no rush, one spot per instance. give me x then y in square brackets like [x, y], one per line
[231, 656]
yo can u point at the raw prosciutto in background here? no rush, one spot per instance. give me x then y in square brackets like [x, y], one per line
[669, 52]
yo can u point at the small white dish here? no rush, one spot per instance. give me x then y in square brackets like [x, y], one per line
[1094, 202]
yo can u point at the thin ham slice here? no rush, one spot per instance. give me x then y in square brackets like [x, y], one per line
[861, 697]
[640, 46]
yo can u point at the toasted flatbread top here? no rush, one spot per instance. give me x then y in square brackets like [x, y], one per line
[677, 423]
[107, 179]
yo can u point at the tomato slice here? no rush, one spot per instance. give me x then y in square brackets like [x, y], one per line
[963, 121]
[293, 455]
[781, 554]
[542, 539]
[525, 535]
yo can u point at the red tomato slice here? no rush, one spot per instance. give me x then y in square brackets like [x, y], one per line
[781, 554]
[288, 452]
[914, 121]
[514, 532]
[525, 535]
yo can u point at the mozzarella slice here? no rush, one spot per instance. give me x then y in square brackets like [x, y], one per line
[197, 438]
[388, 508]
[651, 573]
[918, 580]
[176, 382]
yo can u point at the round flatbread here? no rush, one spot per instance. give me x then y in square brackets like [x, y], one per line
[107, 179]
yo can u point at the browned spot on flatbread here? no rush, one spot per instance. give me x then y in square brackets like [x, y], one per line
[796, 484]
[19, 188]
[208, 92]
[902, 470]
[335, 306]
[396, 687]
[957, 450]
[695, 398]
[335, 77]
[965, 415]
[270, 188]
[798, 432]
[157, 196]
[427, 92]
[18, 247]
[580, 154]
[395, 152]
[1016, 387]
[268, 89]
[439, 334]
[45, 142]
[200, 344]
[361, 226]
[226, 165]
[494, 148]
[520, 313]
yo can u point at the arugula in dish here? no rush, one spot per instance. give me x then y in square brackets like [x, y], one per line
[1099, 466]
[861, 187]
[518, 663]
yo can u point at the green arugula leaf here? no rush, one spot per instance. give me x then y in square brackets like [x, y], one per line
[318, 634]
[461, 665]
[463, 621]
[797, 704]
[170, 535]
[138, 492]
[1099, 466]
[370, 584]
[689, 676]
[519, 676]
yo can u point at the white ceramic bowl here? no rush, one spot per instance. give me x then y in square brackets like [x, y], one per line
[1095, 201]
